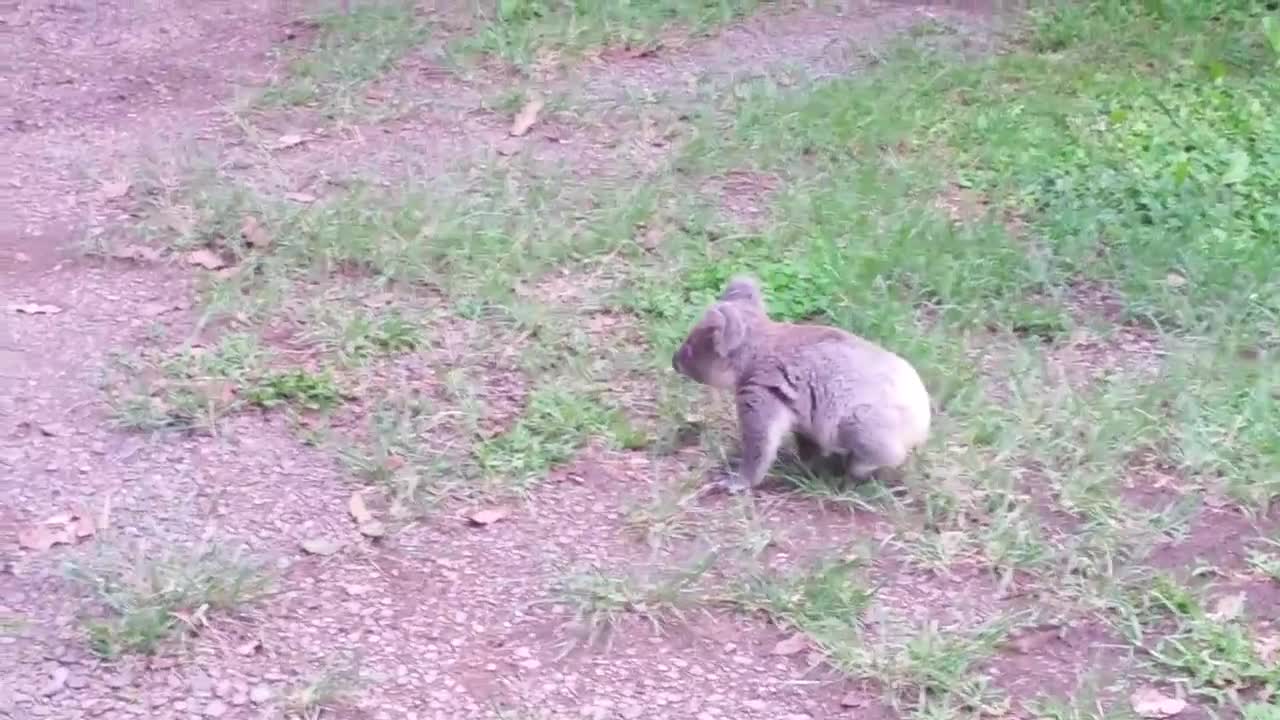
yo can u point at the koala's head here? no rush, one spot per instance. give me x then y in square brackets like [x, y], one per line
[707, 353]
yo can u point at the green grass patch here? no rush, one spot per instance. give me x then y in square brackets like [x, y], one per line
[149, 596]
[351, 49]
[192, 388]
[522, 31]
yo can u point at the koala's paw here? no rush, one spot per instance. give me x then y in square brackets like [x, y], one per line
[727, 481]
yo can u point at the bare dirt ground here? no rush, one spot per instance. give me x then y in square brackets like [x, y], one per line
[442, 618]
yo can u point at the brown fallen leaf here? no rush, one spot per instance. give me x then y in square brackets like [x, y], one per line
[1228, 607]
[140, 253]
[43, 537]
[84, 526]
[527, 117]
[35, 309]
[252, 232]
[300, 197]
[248, 648]
[1174, 280]
[359, 511]
[54, 429]
[321, 546]
[489, 516]
[288, 141]
[114, 190]
[207, 259]
[854, 700]
[372, 529]
[791, 645]
[1268, 649]
[155, 309]
[1149, 702]
[1034, 638]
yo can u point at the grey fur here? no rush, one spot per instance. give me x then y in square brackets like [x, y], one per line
[838, 393]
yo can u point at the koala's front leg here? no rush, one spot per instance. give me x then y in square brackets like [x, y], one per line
[763, 421]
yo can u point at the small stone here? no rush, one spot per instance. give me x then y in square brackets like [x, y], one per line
[57, 681]
[756, 705]
[260, 694]
[631, 712]
[223, 689]
[201, 684]
[76, 682]
[215, 709]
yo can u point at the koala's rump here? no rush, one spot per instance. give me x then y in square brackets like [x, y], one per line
[859, 392]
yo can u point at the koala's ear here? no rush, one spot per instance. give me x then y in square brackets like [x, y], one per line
[729, 330]
[743, 288]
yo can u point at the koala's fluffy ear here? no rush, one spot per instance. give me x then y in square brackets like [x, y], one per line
[728, 328]
[743, 288]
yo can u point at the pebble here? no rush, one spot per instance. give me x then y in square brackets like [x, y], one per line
[76, 682]
[260, 694]
[215, 709]
[57, 680]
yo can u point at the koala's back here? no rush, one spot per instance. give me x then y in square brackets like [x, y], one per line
[843, 388]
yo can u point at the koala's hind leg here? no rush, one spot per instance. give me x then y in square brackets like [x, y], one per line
[868, 453]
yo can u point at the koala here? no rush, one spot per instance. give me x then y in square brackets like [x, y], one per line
[839, 394]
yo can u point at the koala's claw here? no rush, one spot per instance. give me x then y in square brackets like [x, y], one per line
[728, 482]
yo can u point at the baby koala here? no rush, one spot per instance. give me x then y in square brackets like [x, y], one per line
[840, 394]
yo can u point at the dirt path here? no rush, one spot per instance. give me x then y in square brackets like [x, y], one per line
[442, 620]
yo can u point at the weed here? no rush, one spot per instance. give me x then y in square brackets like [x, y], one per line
[826, 601]
[599, 600]
[307, 390]
[520, 31]
[352, 49]
[555, 424]
[321, 691]
[191, 389]
[151, 595]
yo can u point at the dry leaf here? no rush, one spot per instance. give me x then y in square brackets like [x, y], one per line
[249, 648]
[43, 537]
[117, 189]
[527, 117]
[372, 529]
[1268, 649]
[1228, 607]
[1174, 280]
[288, 141]
[1031, 640]
[300, 197]
[35, 309]
[155, 309]
[854, 700]
[792, 645]
[321, 546]
[84, 526]
[253, 233]
[54, 429]
[206, 259]
[136, 252]
[1151, 703]
[359, 511]
[489, 516]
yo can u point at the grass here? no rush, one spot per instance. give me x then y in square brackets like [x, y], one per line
[527, 31]
[322, 691]
[147, 596]
[350, 50]
[193, 388]
[1123, 163]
